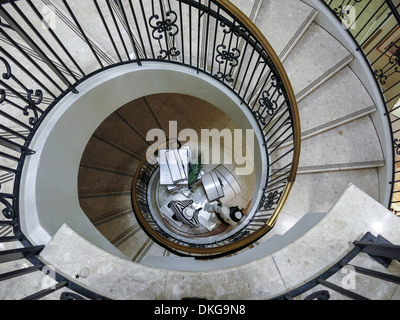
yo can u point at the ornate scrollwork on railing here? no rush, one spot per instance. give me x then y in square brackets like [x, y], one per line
[32, 99]
[392, 67]
[8, 211]
[165, 26]
[227, 55]
[32, 105]
[269, 199]
[397, 146]
[342, 11]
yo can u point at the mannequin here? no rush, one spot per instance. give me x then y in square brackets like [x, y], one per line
[228, 215]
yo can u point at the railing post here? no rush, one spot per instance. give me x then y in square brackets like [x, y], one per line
[379, 249]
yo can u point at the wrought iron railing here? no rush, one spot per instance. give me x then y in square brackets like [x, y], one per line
[42, 65]
[320, 288]
[375, 27]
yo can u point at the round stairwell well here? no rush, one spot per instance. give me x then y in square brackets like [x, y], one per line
[118, 146]
[77, 191]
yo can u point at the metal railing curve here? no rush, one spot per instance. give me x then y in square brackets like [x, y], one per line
[41, 65]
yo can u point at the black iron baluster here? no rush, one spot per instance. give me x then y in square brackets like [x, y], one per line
[33, 45]
[60, 44]
[366, 24]
[107, 29]
[28, 57]
[138, 29]
[182, 33]
[164, 26]
[32, 105]
[26, 71]
[216, 19]
[117, 28]
[199, 17]
[250, 80]
[88, 42]
[122, 8]
[47, 291]
[190, 34]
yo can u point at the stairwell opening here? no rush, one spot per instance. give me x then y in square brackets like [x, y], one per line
[50, 179]
[119, 144]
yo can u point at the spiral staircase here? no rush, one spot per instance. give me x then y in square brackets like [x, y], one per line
[344, 173]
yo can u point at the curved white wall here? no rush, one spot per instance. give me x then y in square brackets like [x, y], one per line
[49, 187]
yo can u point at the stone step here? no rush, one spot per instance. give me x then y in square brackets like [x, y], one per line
[33, 74]
[104, 156]
[337, 147]
[140, 115]
[95, 180]
[103, 205]
[283, 22]
[339, 100]
[324, 245]
[119, 230]
[116, 131]
[317, 192]
[133, 243]
[334, 104]
[316, 58]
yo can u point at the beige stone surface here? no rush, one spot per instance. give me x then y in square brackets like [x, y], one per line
[350, 218]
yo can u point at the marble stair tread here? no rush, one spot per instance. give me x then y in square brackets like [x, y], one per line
[197, 113]
[133, 242]
[317, 192]
[119, 133]
[140, 115]
[96, 181]
[47, 82]
[250, 8]
[316, 57]
[91, 22]
[283, 22]
[101, 206]
[113, 229]
[338, 100]
[105, 156]
[352, 143]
